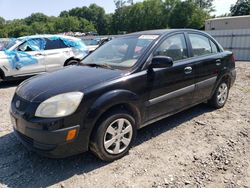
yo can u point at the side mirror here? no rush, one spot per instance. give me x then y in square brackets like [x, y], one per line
[161, 62]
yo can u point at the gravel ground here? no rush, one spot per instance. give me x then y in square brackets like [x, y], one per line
[199, 147]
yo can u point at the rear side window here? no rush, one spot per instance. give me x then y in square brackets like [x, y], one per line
[174, 46]
[202, 45]
[54, 44]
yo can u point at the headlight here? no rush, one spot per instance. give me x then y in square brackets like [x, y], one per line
[59, 105]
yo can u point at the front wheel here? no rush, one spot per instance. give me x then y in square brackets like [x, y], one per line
[114, 136]
[220, 96]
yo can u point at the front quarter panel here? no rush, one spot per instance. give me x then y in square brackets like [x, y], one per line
[132, 90]
[5, 65]
[110, 99]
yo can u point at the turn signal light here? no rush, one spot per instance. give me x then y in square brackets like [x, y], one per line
[71, 135]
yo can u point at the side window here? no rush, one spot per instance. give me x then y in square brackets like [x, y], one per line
[32, 45]
[214, 47]
[174, 47]
[200, 44]
[54, 44]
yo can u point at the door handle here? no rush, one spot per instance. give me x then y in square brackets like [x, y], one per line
[188, 70]
[218, 62]
[39, 54]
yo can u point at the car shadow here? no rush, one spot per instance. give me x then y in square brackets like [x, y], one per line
[21, 168]
[9, 84]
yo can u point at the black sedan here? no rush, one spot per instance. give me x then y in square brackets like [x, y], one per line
[126, 84]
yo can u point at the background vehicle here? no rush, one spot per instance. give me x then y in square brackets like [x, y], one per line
[39, 53]
[94, 43]
[126, 84]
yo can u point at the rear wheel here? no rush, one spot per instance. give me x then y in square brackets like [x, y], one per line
[114, 136]
[220, 96]
[72, 62]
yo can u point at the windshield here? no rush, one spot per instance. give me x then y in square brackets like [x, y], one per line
[11, 44]
[121, 52]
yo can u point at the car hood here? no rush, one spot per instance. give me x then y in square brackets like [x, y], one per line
[69, 79]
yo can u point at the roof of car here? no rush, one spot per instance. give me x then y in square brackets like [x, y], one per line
[160, 31]
[49, 36]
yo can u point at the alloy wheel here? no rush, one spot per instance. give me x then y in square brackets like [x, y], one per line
[118, 136]
[222, 93]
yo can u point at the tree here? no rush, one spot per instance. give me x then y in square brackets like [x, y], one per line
[2, 22]
[36, 17]
[242, 7]
[119, 3]
[187, 14]
[94, 14]
[205, 4]
[17, 28]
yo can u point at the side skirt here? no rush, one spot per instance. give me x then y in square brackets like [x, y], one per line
[170, 114]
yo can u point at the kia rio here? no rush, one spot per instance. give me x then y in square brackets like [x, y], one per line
[126, 84]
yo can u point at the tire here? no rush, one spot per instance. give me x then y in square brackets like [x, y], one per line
[72, 62]
[1, 79]
[220, 96]
[108, 142]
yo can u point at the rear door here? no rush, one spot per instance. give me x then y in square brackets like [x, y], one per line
[171, 89]
[207, 63]
[56, 53]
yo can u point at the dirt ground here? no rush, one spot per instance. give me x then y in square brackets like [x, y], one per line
[199, 147]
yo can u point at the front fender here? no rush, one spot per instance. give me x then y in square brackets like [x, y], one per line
[110, 99]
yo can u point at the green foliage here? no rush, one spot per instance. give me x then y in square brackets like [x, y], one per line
[205, 4]
[192, 16]
[93, 13]
[129, 17]
[242, 7]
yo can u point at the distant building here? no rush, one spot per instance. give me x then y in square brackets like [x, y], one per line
[228, 23]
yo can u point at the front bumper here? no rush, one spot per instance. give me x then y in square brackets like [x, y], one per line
[48, 137]
[51, 144]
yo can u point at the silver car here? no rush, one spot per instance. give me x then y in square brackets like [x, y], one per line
[37, 54]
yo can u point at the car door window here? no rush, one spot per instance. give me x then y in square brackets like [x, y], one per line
[202, 45]
[214, 47]
[55, 44]
[174, 47]
[32, 45]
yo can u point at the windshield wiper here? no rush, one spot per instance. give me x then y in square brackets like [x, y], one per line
[97, 65]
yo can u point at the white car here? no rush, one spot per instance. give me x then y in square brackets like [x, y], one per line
[37, 54]
[92, 44]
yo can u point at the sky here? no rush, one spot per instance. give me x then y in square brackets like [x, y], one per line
[13, 9]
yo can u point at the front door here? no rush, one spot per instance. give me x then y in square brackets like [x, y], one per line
[171, 88]
[28, 58]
